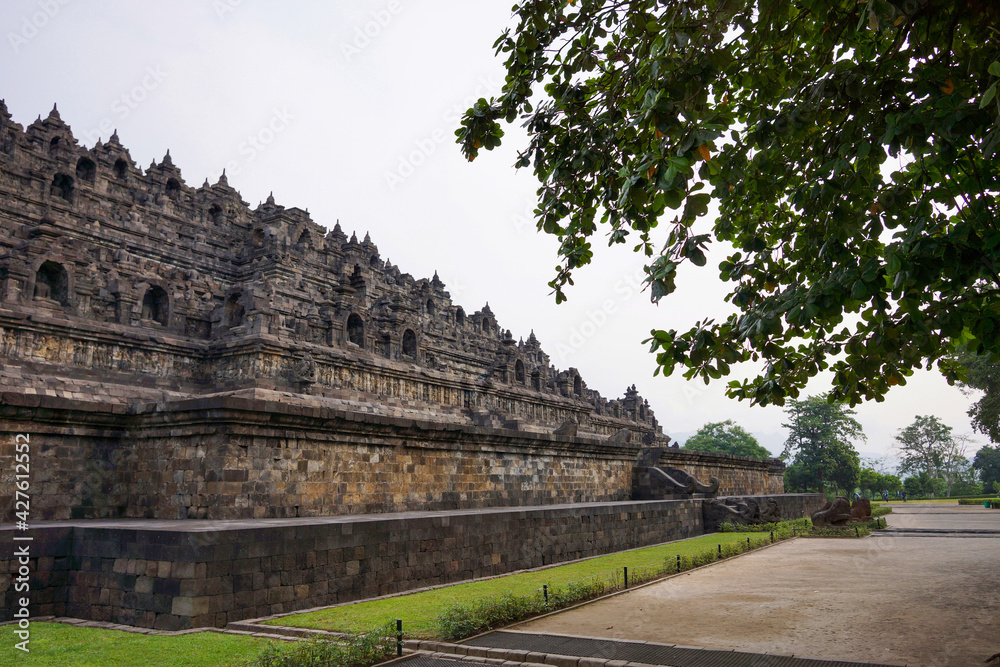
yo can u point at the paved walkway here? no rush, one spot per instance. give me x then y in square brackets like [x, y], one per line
[924, 592]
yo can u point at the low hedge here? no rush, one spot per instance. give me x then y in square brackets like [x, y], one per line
[994, 502]
[349, 650]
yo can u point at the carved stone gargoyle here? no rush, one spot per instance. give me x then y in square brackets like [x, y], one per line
[836, 512]
[687, 483]
[740, 511]
[568, 427]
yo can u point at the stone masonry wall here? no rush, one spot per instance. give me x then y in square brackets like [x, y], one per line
[738, 475]
[175, 575]
[229, 457]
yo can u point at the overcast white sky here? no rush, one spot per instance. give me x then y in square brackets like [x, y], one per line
[348, 109]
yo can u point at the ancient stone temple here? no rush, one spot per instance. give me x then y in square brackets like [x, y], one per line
[173, 354]
[138, 297]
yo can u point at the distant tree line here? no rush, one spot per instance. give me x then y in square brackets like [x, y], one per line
[821, 456]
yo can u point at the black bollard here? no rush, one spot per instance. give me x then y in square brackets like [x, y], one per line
[399, 636]
[678, 562]
[772, 537]
[626, 575]
[545, 592]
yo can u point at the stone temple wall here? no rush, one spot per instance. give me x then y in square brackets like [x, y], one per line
[265, 456]
[124, 279]
[737, 475]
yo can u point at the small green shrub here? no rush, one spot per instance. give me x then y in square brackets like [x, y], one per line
[463, 620]
[881, 511]
[779, 527]
[351, 650]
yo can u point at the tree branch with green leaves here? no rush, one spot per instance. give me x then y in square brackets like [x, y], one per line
[851, 149]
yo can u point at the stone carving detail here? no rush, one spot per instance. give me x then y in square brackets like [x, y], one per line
[657, 483]
[836, 512]
[745, 511]
[686, 481]
[622, 437]
[567, 428]
[251, 297]
[861, 509]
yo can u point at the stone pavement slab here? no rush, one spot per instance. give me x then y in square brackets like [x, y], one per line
[928, 600]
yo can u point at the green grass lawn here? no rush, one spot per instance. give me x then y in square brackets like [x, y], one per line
[61, 645]
[936, 501]
[417, 609]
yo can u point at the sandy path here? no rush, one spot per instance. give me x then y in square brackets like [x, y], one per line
[931, 600]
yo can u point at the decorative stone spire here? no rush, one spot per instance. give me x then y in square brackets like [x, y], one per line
[354, 239]
[167, 162]
[54, 114]
[368, 239]
[270, 199]
[436, 281]
[222, 179]
[114, 138]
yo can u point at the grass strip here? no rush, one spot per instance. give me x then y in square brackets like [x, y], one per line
[59, 645]
[419, 611]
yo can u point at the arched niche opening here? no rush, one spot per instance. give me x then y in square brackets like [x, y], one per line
[156, 305]
[62, 186]
[258, 238]
[430, 307]
[373, 262]
[519, 372]
[54, 146]
[86, 170]
[121, 169]
[173, 187]
[52, 282]
[409, 344]
[234, 310]
[356, 330]
[215, 214]
[460, 317]
[577, 385]
[304, 238]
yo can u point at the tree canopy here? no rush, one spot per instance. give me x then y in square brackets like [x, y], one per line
[982, 374]
[987, 464]
[850, 148]
[726, 437]
[928, 446]
[820, 438]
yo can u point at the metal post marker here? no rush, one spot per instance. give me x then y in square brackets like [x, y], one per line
[399, 636]
[545, 592]
[772, 537]
[678, 562]
[626, 575]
